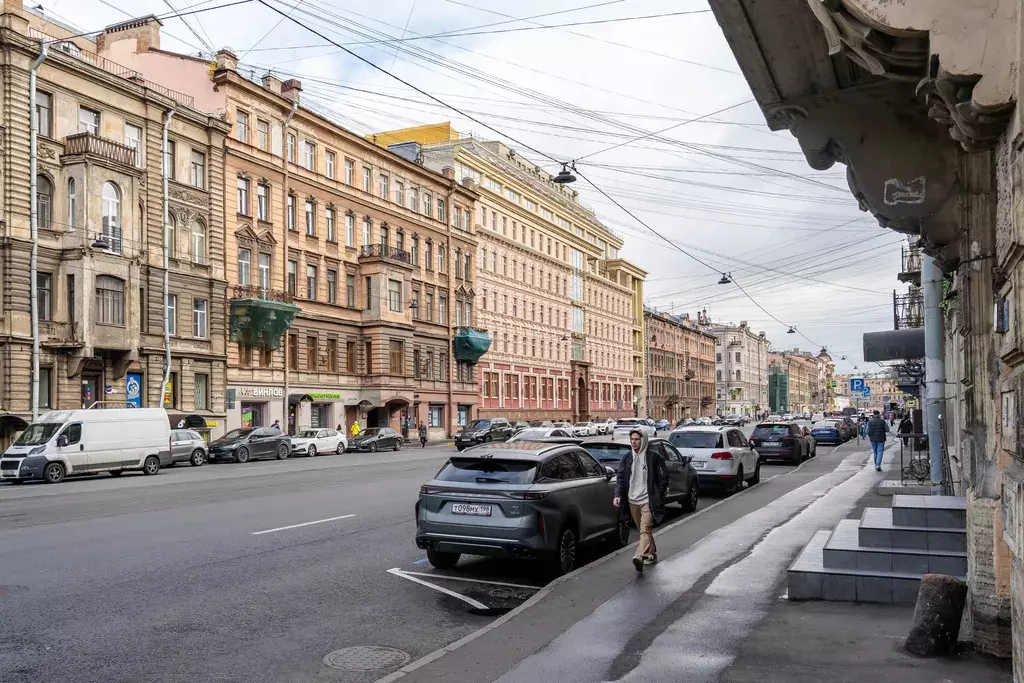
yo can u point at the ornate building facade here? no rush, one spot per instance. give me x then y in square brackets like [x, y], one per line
[741, 369]
[681, 367]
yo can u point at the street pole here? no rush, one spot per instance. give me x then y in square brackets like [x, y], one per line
[168, 115]
[284, 254]
[33, 161]
[935, 366]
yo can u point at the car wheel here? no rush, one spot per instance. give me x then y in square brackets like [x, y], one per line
[439, 560]
[151, 465]
[398, 446]
[814, 451]
[756, 479]
[487, 439]
[198, 458]
[242, 454]
[460, 448]
[312, 451]
[115, 473]
[53, 473]
[689, 503]
[564, 559]
[797, 459]
[282, 452]
[737, 484]
[373, 446]
[622, 530]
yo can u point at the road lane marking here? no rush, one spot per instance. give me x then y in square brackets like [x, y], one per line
[296, 526]
[466, 579]
[458, 596]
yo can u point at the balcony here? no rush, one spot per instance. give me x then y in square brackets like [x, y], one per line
[54, 334]
[386, 252]
[89, 144]
[470, 343]
[911, 270]
[908, 310]
[260, 317]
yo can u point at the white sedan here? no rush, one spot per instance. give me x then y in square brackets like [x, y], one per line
[314, 441]
[540, 433]
[625, 426]
[584, 429]
[722, 456]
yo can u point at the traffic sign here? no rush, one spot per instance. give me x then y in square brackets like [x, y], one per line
[910, 403]
[857, 385]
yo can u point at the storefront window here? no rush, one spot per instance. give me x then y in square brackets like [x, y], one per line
[318, 415]
[436, 415]
[463, 417]
[252, 414]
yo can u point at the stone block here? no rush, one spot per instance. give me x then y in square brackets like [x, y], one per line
[947, 564]
[840, 559]
[947, 519]
[913, 539]
[839, 587]
[874, 561]
[910, 516]
[906, 563]
[946, 540]
[804, 585]
[904, 591]
[876, 538]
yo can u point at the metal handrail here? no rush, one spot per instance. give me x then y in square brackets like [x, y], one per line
[386, 251]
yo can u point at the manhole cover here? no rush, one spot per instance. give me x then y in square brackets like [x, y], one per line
[366, 658]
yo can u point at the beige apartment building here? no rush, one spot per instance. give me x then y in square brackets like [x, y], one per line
[99, 194]
[681, 367]
[563, 309]
[350, 269]
[741, 369]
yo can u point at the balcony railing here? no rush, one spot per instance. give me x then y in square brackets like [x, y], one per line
[908, 310]
[911, 269]
[254, 292]
[387, 252]
[89, 143]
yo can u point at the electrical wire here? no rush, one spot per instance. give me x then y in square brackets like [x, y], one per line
[169, 15]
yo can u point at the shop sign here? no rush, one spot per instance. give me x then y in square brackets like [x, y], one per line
[259, 392]
[211, 424]
[325, 395]
[133, 389]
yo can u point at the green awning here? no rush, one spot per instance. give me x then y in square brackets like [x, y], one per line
[471, 343]
[260, 322]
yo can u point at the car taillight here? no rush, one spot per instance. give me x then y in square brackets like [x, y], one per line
[721, 455]
[535, 495]
[427, 490]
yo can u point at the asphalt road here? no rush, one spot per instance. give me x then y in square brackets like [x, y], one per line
[231, 572]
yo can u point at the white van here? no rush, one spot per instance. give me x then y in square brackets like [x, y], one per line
[66, 442]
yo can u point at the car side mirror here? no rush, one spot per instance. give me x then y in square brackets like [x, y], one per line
[62, 441]
[751, 446]
[608, 473]
[686, 460]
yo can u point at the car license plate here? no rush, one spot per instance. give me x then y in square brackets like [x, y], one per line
[470, 509]
[697, 465]
[771, 444]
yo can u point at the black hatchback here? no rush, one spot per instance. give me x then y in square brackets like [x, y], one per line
[251, 443]
[683, 484]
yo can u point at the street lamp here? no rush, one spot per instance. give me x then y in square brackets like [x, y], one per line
[792, 330]
[101, 242]
[725, 280]
[564, 177]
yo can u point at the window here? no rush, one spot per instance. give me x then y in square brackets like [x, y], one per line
[290, 147]
[368, 352]
[332, 286]
[457, 218]
[309, 156]
[332, 355]
[293, 267]
[198, 169]
[293, 351]
[264, 266]
[415, 305]
[200, 391]
[415, 252]
[44, 296]
[45, 401]
[44, 113]
[368, 281]
[428, 205]
[467, 217]
[738, 375]
[441, 212]
[109, 300]
[442, 361]
[350, 230]
[198, 242]
[384, 187]
[243, 196]
[385, 236]
[329, 158]
[242, 126]
[329, 220]
[170, 157]
[291, 212]
[350, 356]
[430, 306]
[72, 203]
[310, 218]
[312, 346]
[436, 416]
[263, 135]
[244, 264]
[442, 308]
[414, 199]
[349, 171]
[350, 291]
[428, 255]
[367, 227]
[395, 295]
[88, 120]
[263, 201]
[738, 356]
[467, 261]
[311, 283]
[172, 314]
[112, 216]
[44, 201]
[399, 193]
[199, 326]
[396, 357]
[416, 368]
[170, 236]
[440, 259]
[133, 139]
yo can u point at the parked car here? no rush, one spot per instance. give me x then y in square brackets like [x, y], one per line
[721, 456]
[774, 417]
[538, 433]
[542, 423]
[780, 441]
[112, 440]
[812, 443]
[584, 429]
[683, 484]
[188, 445]
[251, 443]
[605, 426]
[520, 426]
[829, 431]
[376, 439]
[817, 417]
[624, 426]
[483, 431]
[852, 427]
[704, 421]
[535, 500]
[562, 424]
[788, 417]
[311, 442]
[662, 424]
[685, 422]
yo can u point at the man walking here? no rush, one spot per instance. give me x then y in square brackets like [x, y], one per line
[906, 427]
[642, 480]
[877, 430]
[423, 434]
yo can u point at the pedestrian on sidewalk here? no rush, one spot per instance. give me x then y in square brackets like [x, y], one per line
[423, 434]
[878, 430]
[906, 427]
[642, 479]
[355, 428]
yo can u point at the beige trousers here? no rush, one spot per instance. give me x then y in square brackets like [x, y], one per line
[644, 521]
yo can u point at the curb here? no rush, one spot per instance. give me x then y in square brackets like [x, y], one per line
[543, 592]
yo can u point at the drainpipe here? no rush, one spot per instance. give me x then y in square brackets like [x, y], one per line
[33, 158]
[934, 367]
[284, 243]
[451, 303]
[168, 115]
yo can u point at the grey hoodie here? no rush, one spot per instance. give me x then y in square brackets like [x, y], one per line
[657, 476]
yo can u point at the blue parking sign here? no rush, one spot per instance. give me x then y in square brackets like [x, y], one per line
[857, 385]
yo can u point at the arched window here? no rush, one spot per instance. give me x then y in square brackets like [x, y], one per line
[109, 300]
[44, 201]
[112, 216]
[72, 203]
[198, 242]
[170, 235]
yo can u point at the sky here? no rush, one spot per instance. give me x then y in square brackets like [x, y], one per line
[644, 95]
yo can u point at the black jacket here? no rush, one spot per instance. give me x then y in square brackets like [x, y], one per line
[877, 429]
[906, 426]
[657, 479]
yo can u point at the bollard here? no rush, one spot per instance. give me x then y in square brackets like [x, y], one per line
[940, 605]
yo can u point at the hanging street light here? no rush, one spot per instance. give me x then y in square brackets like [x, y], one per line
[725, 280]
[792, 330]
[101, 242]
[564, 177]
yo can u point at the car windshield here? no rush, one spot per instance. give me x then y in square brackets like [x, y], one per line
[38, 433]
[488, 471]
[771, 430]
[237, 434]
[582, 424]
[479, 424]
[528, 434]
[307, 434]
[372, 431]
[627, 423]
[695, 439]
[607, 452]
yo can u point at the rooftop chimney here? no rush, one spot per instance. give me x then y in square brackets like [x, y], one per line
[448, 172]
[272, 83]
[227, 60]
[291, 88]
[145, 31]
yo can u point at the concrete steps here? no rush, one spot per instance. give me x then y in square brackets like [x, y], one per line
[882, 556]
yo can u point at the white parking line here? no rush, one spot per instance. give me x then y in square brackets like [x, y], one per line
[296, 526]
[458, 596]
[466, 579]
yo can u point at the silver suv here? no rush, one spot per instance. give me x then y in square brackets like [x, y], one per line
[188, 445]
[521, 499]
